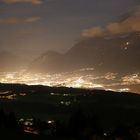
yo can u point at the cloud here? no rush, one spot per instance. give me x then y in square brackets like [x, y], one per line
[15, 20]
[34, 2]
[127, 25]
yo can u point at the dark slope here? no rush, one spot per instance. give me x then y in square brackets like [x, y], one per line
[119, 53]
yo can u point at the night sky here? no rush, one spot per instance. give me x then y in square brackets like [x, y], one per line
[30, 27]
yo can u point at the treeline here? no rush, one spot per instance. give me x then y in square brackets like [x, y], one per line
[83, 127]
[79, 127]
[8, 120]
[18, 88]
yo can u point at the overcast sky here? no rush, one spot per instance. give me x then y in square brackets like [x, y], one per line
[34, 26]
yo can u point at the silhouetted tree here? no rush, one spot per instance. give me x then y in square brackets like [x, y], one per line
[12, 121]
[77, 123]
[123, 132]
[60, 128]
[2, 118]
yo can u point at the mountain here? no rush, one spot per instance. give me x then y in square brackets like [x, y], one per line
[10, 62]
[117, 53]
[47, 62]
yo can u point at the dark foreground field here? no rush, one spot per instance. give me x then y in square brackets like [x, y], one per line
[76, 113]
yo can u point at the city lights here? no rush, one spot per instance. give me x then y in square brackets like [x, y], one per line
[74, 79]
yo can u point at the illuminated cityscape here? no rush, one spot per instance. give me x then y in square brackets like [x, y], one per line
[69, 69]
[108, 81]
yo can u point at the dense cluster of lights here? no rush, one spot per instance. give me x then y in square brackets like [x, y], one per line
[132, 79]
[8, 97]
[47, 79]
[71, 79]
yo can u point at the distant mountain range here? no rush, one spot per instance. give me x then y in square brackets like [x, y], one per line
[117, 53]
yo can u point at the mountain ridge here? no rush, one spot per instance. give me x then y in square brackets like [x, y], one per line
[114, 54]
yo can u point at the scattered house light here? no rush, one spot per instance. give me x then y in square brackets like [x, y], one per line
[65, 94]
[105, 134]
[127, 43]
[67, 103]
[27, 123]
[62, 102]
[51, 121]
[52, 93]
[22, 94]
[21, 120]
